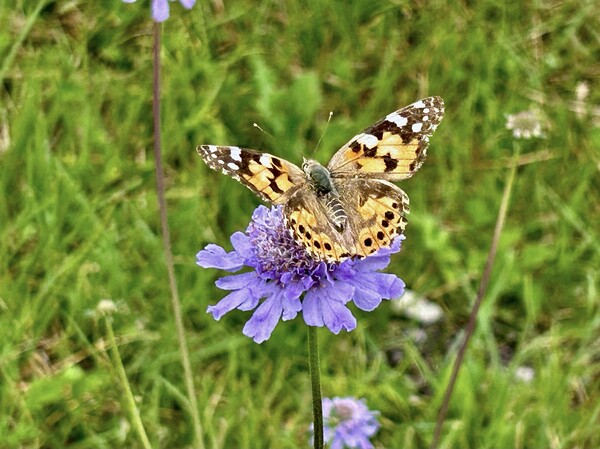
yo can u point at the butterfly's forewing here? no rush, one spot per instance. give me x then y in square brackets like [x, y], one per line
[393, 148]
[273, 179]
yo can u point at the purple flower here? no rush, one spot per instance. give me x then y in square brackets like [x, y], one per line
[160, 8]
[348, 423]
[282, 271]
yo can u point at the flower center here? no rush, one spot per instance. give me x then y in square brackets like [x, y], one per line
[278, 256]
[344, 409]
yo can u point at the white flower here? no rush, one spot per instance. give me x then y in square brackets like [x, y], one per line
[525, 124]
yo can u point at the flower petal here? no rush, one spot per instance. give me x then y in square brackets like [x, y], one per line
[337, 316]
[213, 256]
[291, 307]
[262, 323]
[237, 281]
[187, 3]
[239, 299]
[372, 288]
[311, 311]
[325, 306]
[242, 244]
[160, 10]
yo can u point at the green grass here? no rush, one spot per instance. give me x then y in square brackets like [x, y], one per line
[79, 220]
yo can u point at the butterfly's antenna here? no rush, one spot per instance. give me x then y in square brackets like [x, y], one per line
[256, 125]
[323, 135]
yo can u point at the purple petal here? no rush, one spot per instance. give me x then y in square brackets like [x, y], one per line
[160, 10]
[237, 281]
[291, 307]
[311, 310]
[341, 292]
[240, 299]
[213, 256]
[337, 443]
[293, 290]
[187, 3]
[242, 244]
[337, 317]
[372, 288]
[260, 326]
[325, 306]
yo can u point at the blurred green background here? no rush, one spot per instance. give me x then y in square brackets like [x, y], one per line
[79, 219]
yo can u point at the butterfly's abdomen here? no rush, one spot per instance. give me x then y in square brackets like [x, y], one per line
[320, 180]
[335, 211]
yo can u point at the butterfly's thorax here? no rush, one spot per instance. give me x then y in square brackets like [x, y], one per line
[321, 182]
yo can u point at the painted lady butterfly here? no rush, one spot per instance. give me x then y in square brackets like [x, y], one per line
[349, 208]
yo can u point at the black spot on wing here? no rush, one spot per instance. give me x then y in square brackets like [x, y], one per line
[390, 163]
[370, 152]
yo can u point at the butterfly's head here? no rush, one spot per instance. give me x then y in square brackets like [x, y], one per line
[318, 175]
[305, 163]
[311, 167]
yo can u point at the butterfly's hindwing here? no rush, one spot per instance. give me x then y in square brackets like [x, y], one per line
[309, 223]
[377, 213]
[381, 208]
[393, 148]
[270, 177]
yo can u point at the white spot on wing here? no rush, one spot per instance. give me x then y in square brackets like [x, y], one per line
[369, 140]
[396, 118]
[417, 127]
[418, 104]
[265, 160]
[212, 148]
[236, 154]
[233, 166]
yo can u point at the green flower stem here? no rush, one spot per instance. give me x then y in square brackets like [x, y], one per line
[134, 412]
[162, 206]
[315, 380]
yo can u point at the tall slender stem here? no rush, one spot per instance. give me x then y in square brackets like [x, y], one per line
[134, 412]
[162, 206]
[480, 294]
[315, 380]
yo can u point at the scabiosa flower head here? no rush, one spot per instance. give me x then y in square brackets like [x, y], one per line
[282, 272]
[160, 8]
[348, 423]
[525, 124]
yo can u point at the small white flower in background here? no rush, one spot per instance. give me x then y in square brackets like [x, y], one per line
[106, 307]
[525, 124]
[582, 107]
[417, 308]
[525, 374]
[582, 91]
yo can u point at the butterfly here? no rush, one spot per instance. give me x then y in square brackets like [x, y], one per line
[349, 208]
